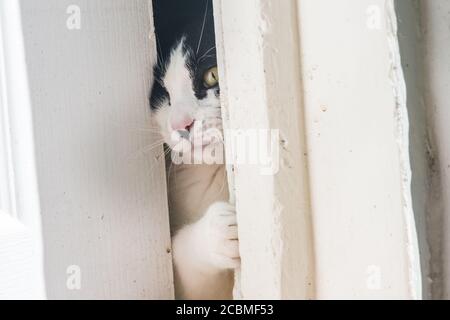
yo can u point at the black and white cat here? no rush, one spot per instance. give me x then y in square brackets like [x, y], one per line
[186, 106]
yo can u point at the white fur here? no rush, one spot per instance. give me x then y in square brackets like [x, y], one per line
[178, 83]
[205, 252]
[205, 239]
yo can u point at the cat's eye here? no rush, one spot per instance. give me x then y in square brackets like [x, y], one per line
[211, 77]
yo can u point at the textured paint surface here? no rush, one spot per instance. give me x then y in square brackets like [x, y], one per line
[400, 95]
[103, 190]
[358, 185]
[21, 267]
[435, 17]
[356, 128]
[423, 164]
[261, 91]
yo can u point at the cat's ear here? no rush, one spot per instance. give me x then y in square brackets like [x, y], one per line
[158, 95]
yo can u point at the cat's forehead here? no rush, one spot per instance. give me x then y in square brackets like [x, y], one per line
[178, 75]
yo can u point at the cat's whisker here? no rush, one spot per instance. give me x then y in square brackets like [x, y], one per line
[145, 150]
[129, 125]
[224, 182]
[156, 130]
[205, 57]
[157, 162]
[192, 184]
[161, 61]
[207, 51]
[152, 146]
[139, 128]
[203, 27]
[169, 170]
[152, 131]
[163, 153]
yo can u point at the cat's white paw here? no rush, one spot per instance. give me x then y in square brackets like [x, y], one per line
[219, 226]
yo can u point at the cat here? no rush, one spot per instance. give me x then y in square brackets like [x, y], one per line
[185, 102]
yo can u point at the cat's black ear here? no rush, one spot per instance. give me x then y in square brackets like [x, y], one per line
[158, 95]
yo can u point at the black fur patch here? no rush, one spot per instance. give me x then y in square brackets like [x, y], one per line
[175, 20]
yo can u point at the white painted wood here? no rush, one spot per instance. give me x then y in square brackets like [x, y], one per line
[21, 274]
[364, 233]
[102, 188]
[425, 187]
[341, 68]
[260, 89]
[21, 261]
[434, 41]
[424, 37]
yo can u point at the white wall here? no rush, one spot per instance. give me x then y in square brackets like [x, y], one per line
[103, 195]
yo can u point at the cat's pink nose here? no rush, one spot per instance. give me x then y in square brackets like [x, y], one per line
[183, 123]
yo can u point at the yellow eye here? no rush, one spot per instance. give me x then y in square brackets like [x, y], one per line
[211, 77]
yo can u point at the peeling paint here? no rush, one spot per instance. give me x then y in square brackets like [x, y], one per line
[402, 129]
